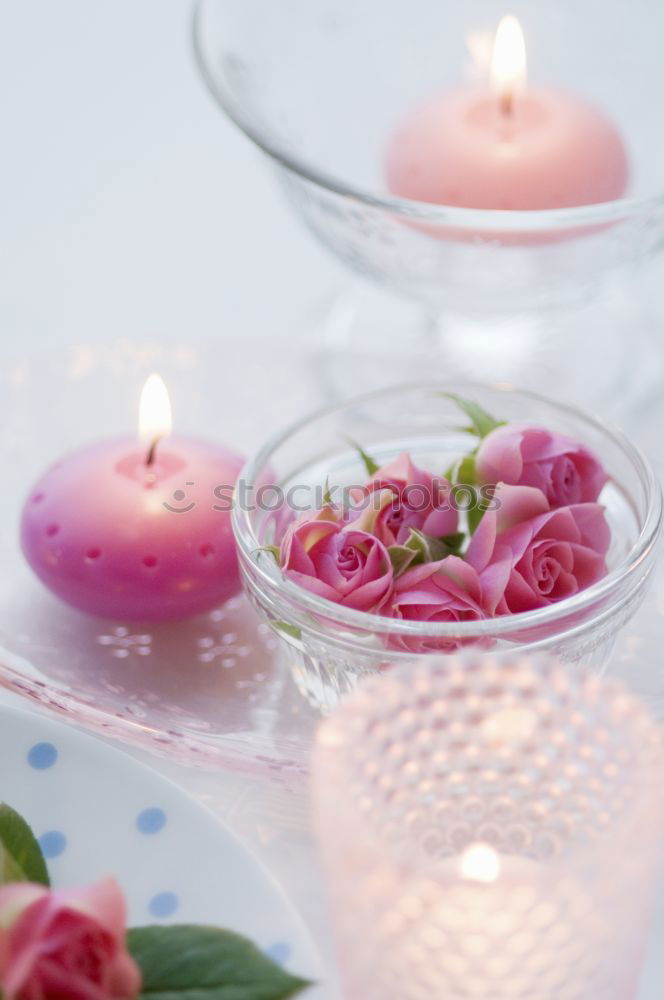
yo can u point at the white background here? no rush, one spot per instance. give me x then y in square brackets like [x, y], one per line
[130, 206]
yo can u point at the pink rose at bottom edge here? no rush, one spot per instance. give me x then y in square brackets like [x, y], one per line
[65, 945]
[446, 591]
[551, 554]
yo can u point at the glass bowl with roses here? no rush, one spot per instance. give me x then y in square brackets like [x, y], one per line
[429, 518]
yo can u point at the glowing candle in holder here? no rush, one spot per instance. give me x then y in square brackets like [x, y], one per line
[509, 146]
[490, 829]
[137, 531]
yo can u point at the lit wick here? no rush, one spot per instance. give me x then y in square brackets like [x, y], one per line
[507, 103]
[152, 452]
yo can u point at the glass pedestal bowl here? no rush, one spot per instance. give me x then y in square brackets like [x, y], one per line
[329, 647]
[320, 87]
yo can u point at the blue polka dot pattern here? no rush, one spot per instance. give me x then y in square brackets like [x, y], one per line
[151, 820]
[279, 952]
[42, 756]
[164, 904]
[52, 843]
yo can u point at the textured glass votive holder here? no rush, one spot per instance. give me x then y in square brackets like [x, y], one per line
[492, 830]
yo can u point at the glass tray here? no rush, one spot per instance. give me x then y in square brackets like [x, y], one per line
[213, 690]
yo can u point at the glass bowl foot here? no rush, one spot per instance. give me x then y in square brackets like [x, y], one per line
[602, 355]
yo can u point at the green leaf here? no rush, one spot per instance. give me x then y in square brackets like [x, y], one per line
[421, 548]
[482, 423]
[479, 508]
[466, 471]
[292, 630]
[188, 962]
[474, 514]
[369, 464]
[426, 548]
[401, 558]
[454, 542]
[327, 495]
[274, 549]
[21, 859]
[419, 543]
[462, 472]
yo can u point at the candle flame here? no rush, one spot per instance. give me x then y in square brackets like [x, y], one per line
[154, 412]
[509, 63]
[480, 863]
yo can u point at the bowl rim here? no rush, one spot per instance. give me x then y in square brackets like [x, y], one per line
[499, 221]
[303, 600]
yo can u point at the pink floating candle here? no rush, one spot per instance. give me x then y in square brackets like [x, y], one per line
[507, 147]
[137, 532]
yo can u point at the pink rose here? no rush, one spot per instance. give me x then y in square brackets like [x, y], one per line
[419, 500]
[338, 562]
[552, 554]
[446, 591]
[65, 945]
[566, 472]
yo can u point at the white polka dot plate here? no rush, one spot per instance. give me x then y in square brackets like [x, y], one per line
[97, 811]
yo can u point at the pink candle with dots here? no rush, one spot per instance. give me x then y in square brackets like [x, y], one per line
[137, 529]
[510, 146]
